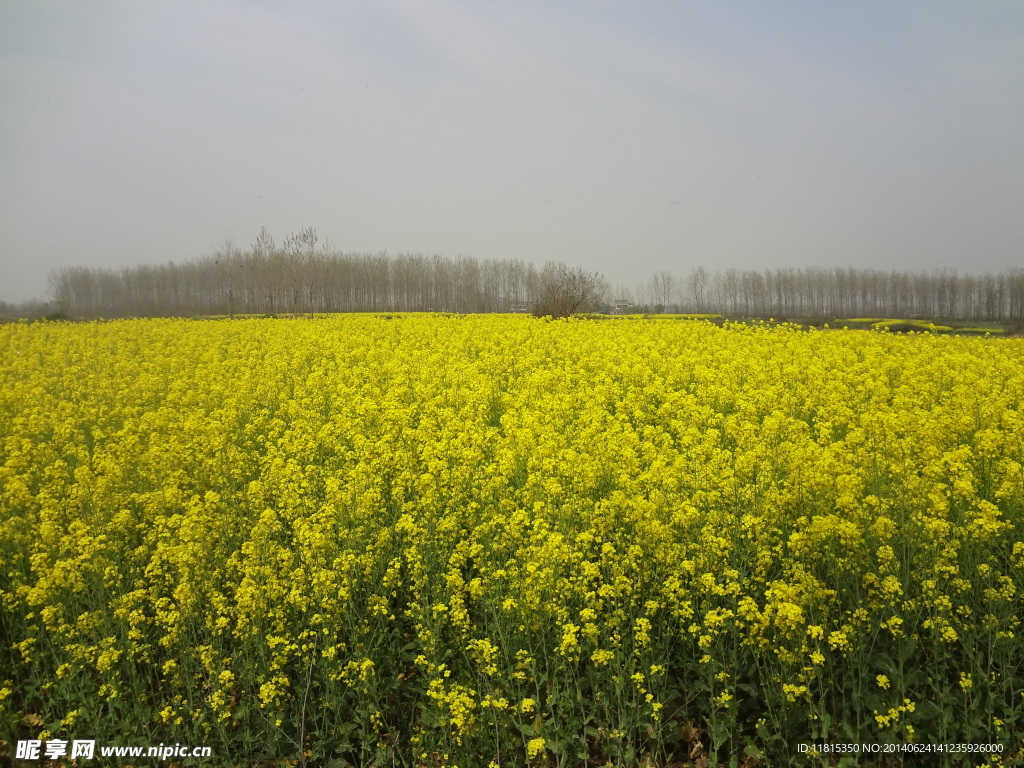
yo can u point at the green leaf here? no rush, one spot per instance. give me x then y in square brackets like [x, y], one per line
[926, 711]
[908, 650]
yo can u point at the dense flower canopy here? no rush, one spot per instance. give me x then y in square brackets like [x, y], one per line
[441, 539]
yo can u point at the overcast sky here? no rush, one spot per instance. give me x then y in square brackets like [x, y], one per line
[625, 137]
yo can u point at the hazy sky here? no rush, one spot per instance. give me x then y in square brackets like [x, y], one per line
[626, 137]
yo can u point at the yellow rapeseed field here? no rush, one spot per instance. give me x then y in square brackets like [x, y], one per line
[461, 541]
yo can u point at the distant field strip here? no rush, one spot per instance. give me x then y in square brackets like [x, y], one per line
[439, 540]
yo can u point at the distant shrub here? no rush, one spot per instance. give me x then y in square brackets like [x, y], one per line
[907, 326]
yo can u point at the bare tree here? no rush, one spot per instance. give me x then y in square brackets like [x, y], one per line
[662, 288]
[227, 262]
[641, 296]
[697, 283]
[563, 292]
[731, 291]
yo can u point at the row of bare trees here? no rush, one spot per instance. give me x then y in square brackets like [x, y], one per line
[299, 277]
[253, 284]
[820, 292]
[304, 275]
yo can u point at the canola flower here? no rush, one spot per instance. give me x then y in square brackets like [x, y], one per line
[449, 541]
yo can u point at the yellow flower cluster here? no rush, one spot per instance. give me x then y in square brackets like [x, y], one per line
[379, 532]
